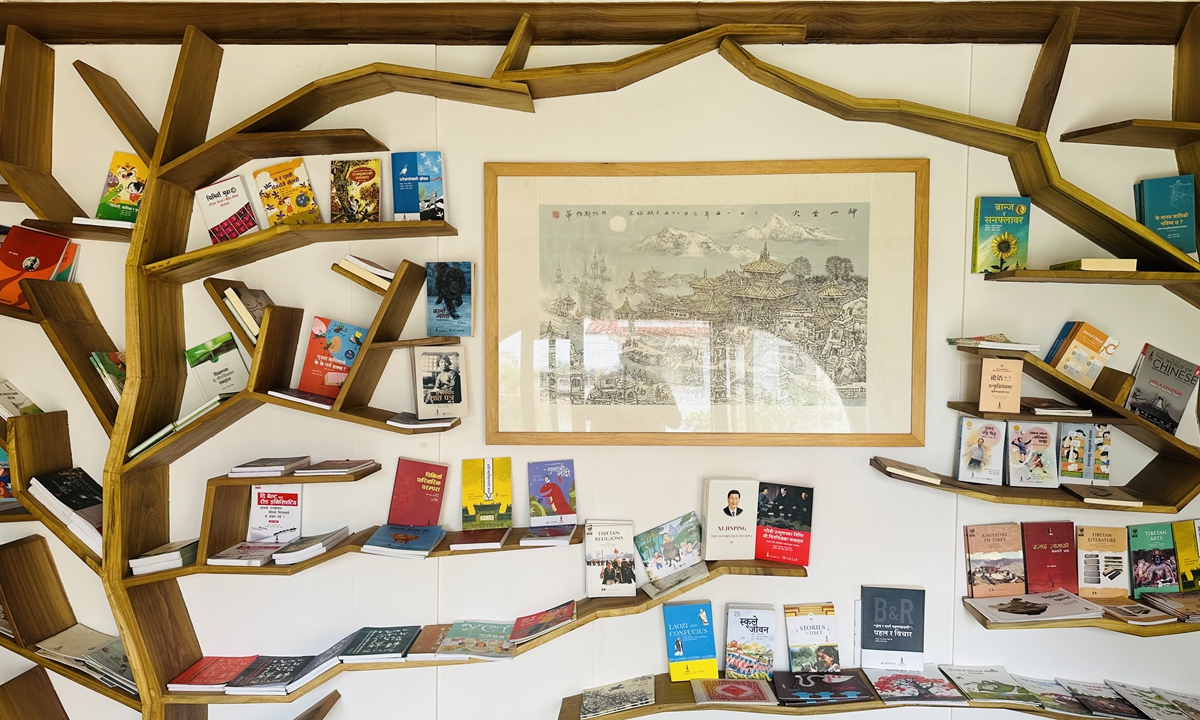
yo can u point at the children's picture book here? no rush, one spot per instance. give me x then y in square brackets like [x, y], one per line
[625, 695]
[1033, 607]
[417, 493]
[333, 347]
[1052, 696]
[225, 207]
[893, 627]
[123, 188]
[438, 372]
[218, 366]
[13, 402]
[691, 647]
[812, 637]
[404, 541]
[480, 639]
[807, 689]
[1162, 385]
[995, 561]
[1187, 702]
[1168, 207]
[486, 493]
[552, 493]
[749, 641]
[449, 299]
[1032, 454]
[274, 513]
[1152, 705]
[783, 528]
[418, 192]
[287, 195]
[1001, 240]
[609, 566]
[354, 187]
[1085, 451]
[988, 684]
[1152, 560]
[1100, 699]
[981, 451]
[732, 691]
[669, 550]
[730, 518]
[1049, 556]
[1103, 565]
[27, 254]
[916, 686]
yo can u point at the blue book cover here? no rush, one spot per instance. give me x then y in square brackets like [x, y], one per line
[403, 537]
[1001, 238]
[449, 300]
[691, 647]
[1169, 209]
[552, 493]
[417, 187]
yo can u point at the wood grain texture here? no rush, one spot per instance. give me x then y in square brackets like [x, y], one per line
[275, 354]
[41, 192]
[368, 416]
[215, 287]
[80, 232]
[7, 194]
[1095, 277]
[383, 347]
[26, 102]
[194, 434]
[516, 52]
[226, 517]
[1104, 623]
[121, 109]
[1163, 134]
[357, 280]
[33, 591]
[189, 103]
[321, 709]
[1048, 74]
[166, 636]
[77, 676]
[1185, 98]
[9, 311]
[30, 696]
[972, 408]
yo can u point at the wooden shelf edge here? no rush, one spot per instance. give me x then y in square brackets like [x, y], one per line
[1104, 623]
[972, 408]
[74, 675]
[1094, 277]
[191, 436]
[357, 280]
[1161, 134]
[76, 231]
[371, 417]
[60, 531]
[17, 514]
[18, 314]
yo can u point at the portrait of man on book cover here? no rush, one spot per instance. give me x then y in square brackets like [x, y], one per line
[442, 381]
[731, 504]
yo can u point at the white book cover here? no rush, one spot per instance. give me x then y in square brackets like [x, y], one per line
[274, 513]
[1148, 701]
[75, 642]
[812, 637]
[1103, 561]
[1032, 454]
[246, 554]
[438, 373]
[750, 641]
[1188, 703]
[225, 207]
[988, 684]
[13, 402]
[981, 451]
[218, 366]
[730, 518]
[608, 559]
[1052, 696]
[1035, 607]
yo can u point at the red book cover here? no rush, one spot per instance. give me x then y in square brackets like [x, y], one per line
[27, 254]
[417, 493]
[528, 627]
[332, 348]
[210, 670]
[784, 532]
[1050, 556]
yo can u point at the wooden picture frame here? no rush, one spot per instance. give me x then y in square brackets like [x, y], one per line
[620, 375]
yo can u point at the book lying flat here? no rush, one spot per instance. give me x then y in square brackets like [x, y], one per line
[903, 469]
[304, 398]
[246, 554]
[210, 674]
[1102, 495]
[270, 467]
[380, 644]
[1035, 607]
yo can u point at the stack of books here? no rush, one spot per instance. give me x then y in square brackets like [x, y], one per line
[404, 541]
[92, 652]
[529, 627]
[76, 500]
[995, 341]
[1036, 607]
[309, 547]
[111, 367]
[411, 422]
[179, 424]
[1183, 605]
[371, 272]
[334, 467]
[625, 695]
[552, 515]
[269, 467]
[1046, 406]
[268, 675]
[165, 557]
[247, 306]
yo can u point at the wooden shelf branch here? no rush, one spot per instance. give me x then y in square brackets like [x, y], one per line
[1096, 277]
[1047, 77]
[587, 78]
[121, 108]
[80, 232]
[516, 52]
[357, 280]
[31, 695]
[1103, 623]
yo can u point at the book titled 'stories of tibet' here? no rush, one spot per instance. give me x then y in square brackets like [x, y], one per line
[691, 648]
[218, 366]
[274, 513]
[730, 518]
[1049, 556]
[1162, 385]
[625, 695]
[812, 637]
[1032, 454]
[995, 561]
[418, 190]
[123, 188]
[354, 190]
[749, 641]
[1153, 564]
[608, 552]
[333, 346]
[417, 493]
[552, 493]
[1103, 565]
[783, 531]
[438, 372]
[981, 451]
[915, 686]
[893, 627]
[450, 307]
[287, 195]
[225, 207]
[1001, 238]
[486, 493]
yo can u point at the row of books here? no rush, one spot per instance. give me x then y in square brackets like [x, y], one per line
[92, 652]
[1032, 453]
[28, 254]
[76, 500]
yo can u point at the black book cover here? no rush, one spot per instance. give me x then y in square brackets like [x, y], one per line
[270, 670]
[382, 640]
[73, 488]
[816, 688]
[893, 619]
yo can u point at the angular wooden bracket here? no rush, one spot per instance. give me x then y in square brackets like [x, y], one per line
[189, 104]
[1048, 74]
[121, 108]
[517, 50]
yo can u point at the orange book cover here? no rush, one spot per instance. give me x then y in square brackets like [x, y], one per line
[27, 254]
[1086, 353]
[332, 348]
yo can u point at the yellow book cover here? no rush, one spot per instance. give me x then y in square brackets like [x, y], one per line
[287, 195]
[487, 493]
[123, 188]
[1186, 554]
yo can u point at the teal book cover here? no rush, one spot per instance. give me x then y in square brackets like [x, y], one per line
[1153, 565]
[1168, 207]
[1001, 240]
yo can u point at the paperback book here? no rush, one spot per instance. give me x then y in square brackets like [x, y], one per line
[404, 541]
[333, 347]
[449, 298]
[672, 554]
[806, 689]
[287, 195]
[1100, 699]
[783, 527]
[1153, 705]
[479, 639]
[305, 548]
[1036, 607]
[528, 627]
[1001, 238]
[812, 638]
[893, 627]
[417, 493]
[111, 368]
[123, 188]
[274, 513]
[738, 692]
[438, 381]
[988, 684]
[1187, 702]
[417, 186]
[487, 493]
[552, 493]
[1052, 696]
[1032, 454]
[13, 402]
[1083, 352]
[608, 551]
[1153, 565]
[1103, 564]
[981, 451]
[1050, 562]
[218, 366]
[749, 641]
[354, 190]
[1168, 207]
[270, 466]
[210, 674]
[27, 254]
[379, 644]
[428, 641]
[1162, 385]
[246, 554]
[317, 665]
[248, 306]
[1085, 451]
[916, 686]
[995, 562]
[625, 695]
[691, 649]
[1187, 554]
[731, 523]
[225, 207]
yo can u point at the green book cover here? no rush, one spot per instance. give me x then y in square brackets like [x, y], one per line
[218, 366]
[1001, 239]
[1154, 566]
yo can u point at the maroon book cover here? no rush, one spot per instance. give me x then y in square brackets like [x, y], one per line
[1050, 556]
[417, 493]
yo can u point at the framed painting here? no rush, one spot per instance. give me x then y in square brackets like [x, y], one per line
[726, 303]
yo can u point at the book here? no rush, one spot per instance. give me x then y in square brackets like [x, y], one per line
[552, 493]
[1000, 385]
[988, 684]
[417, 186]
[7, 499]
[1100, 699]
[995, 341]
[749, 641]
[1048, 406]
[486, 539]
[806, 689]
[13, 402]
[412, 422]
[783, 528]
[981, 451]
[1152, 705]
[1184, 606]
[111, 661]
[246, 554]
[1036, 607]
[402, 541]
[72, 645]
[812, 637]
[1152, 561]
[915, 686]
[287, 195]
[427, 642]
[1162, 385]
[210, 673]
[1133, 613]
[180, 551]
[528, 627]
[1098, 265]
[1188, 703]
[316, 400]
[1032, 456]
[319, 664]
[438, 381]
[248, 306]
[333, 467]
[1186, 554]
[67, 265]
[1100, 495]
[354, 190]
[123, 188]
[270, 466]
[225, 207]
[275, 513]
[730, 524]
[1001, 237]
[995, 560]
[268, 675]
[27, 254]
[608, 551]
[893, 627]
[903, 469]
[199, 411]
[691, 648]
[739, 692]
[332, 348]
[669, 551]
[486, 493]
[1085, 451]
[625, 695]
[417, 493]
[1168, 207]
[1102, 561]
[481, 639]
[1050, 562]
[1084, 353]
[111, 368]
[551, 536]
[1052, 696]
[449, 299]
[368, 271]
[380, 644]
[218, 366]
[72, 496]
[304, 548]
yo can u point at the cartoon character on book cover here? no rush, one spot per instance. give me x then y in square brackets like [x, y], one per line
[354, 191]
[1030, 462]
[551, 492]
[672, 546]
[123, 188]
[287, 195]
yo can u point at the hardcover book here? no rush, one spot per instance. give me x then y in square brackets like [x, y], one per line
[210, 674]
[371, 644]
[417, 493]
[123, 188]
[893, 627]
[730, 524]
[691, 648]
[608, 559]
[1153, 705]
[608, 699]
[438, 381]
[1050, 556]
[274, 513]
[802, 689]
[332, 349]
[739, 692]
[988, 684]
[225, 207]
[1001, 238]
[1187, 554]
[1100, 699]
[783, 528]
[354, 191]
[917, 686]
[1162, 385]
[981, 451]
[218, 366]
[1168, 207]
[669, 551]
[552, 493]
[995, 562]
[1085, 451]
[449, 295]
[749, 641]
[417, 187]
[1032, 454]
[1152, 561]
[27, 254]
[812, 638]
[528, 627]
[1103, 565]
[1052, 696]
[478, 639]
[1084, 353]
[487, 493]
[287, 195]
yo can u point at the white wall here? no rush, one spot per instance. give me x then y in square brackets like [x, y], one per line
[868, 528]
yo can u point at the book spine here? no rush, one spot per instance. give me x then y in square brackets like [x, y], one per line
[1061, 342]
[975, 236]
